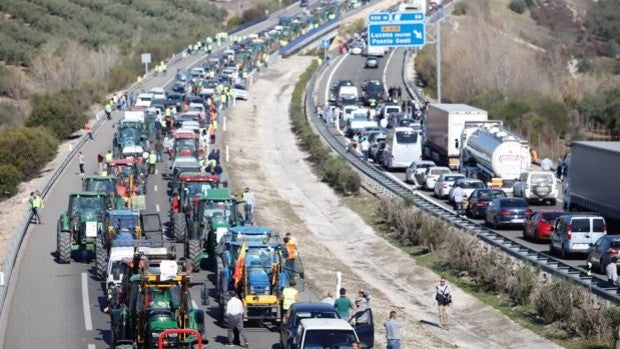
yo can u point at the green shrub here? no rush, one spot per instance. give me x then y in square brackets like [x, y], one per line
[60, 113]
[10, 177]
[585, 65]
[93, 90]
[518, 6]
[119, 77]
[460, 9]
[349, 181]
[603, 19]
[28, 149]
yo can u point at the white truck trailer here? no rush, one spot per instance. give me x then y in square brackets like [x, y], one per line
[443, 126]
[592, 180]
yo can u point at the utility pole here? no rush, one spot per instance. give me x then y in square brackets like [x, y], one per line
[438, 58]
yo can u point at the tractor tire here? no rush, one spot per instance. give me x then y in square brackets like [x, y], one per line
[63, 247]
[179, 227]
[193, 253]
[100, 261]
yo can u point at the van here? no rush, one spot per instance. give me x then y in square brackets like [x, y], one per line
[358, 126]
[404, 145]
[537, 186]
[325, 333]
[574, 232]
[347, 95]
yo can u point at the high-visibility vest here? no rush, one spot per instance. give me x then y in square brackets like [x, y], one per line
[145, 155]
[37, 202]
[292, 250]
[288, 297]
[108, 157]
[152, 158]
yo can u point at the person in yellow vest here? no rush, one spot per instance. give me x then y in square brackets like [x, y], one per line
[152, 162]
[290, 296]
[108, 157]
[319, 61]
[35, 202]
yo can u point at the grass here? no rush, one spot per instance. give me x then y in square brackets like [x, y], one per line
[365, 206]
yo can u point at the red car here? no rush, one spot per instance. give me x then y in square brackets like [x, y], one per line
[538, 226]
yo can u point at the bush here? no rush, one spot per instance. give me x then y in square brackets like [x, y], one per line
[518, 6]
[28, 149]
[10, 177]
[460, 9]
[93, 90]
[60, 113]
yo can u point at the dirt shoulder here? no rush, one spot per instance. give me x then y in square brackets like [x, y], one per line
[333, 238]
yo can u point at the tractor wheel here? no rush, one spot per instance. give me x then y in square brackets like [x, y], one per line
[179, 228]
[193, 254]
[101, 260]
[63, 246]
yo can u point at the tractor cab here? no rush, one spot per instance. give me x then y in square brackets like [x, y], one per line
[190, 185]
[127, 134]
[129, 178]
[186, 144]
[79, 226]
[220, 209]
[106, 185]
[158, 308]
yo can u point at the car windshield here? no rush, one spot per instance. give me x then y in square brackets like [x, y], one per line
[129, 134]
[406, 137]
[187, 145]
[538, 179]
[321, 339]
[551, 216]
[219, 210]
[471, 185]
[439, 171]
[117, 269]
[120, 222]
[89, 205]
[239, 87]
[491, 194]
[197, 188]
[121, 170]
[374, 88]
[513, 203]
[451, 178]
[323, 314]
[614, 244]
[103, 186]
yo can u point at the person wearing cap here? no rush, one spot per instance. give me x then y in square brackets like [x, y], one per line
[443, 297]
[392, 330]
[234, 313]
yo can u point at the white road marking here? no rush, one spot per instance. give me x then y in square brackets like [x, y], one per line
[157, 207]
[88, 322]
[155, 187]
[92, 346]
[156, 171]
[331, 76]
[194, 304]
[385, 69]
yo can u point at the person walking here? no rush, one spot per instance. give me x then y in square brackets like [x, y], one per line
[100, 163]
[212, 131]
[248, 197]
[458, 195]
[159, 148]
[545, 164]
[392, 330]
[343, 305]
[152, 161]
[89, 131]
[365, 148]
[329, 299]
[234, 313]
[81, 162]
[443, 297]
[290, 296]
[612, 272]
[35, 202]
[108, 111]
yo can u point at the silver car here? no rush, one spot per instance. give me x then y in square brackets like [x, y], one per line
[603, 250]
[444, 183]
[468, 185]
[574, 232]
[416, 172]
[433, 174]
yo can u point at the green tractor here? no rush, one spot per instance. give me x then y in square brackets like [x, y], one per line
[79, 226]
[209, 219]
[104, 184]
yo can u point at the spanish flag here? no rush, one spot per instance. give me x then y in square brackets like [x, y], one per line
[239, 265]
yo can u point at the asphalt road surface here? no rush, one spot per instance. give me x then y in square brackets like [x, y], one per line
[390, 72]
[53, 305]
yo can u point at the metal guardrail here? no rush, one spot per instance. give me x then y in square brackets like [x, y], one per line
[248, 24]
[513, 248]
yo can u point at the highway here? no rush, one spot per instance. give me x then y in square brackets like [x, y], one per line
[390, 72]
[53, 305]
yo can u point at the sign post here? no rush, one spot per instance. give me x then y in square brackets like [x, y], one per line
[146, 59]
[325, 46]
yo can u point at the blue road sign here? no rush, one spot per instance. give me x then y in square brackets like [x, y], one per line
[396, 34]
[379, 17]
[408, 16]
[325, 43]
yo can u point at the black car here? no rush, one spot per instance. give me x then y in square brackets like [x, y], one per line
[179, 87]
[372, 89]
[479, 200]
[507, 212]
[298, 311]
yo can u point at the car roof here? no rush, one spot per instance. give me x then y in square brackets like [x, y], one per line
[313, 306]
[326, 324]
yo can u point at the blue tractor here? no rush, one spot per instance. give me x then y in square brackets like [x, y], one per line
[252, 260]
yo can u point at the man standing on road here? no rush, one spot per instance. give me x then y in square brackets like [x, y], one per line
[458, 195]
[81, 162]
[99, 163]
[612, 272]
[248, 197]
[290, 296]
[234, 312]
[443, 297]
[35, 202]
[392, 330]
[545, 164]
[329, 299]
[365, 148]
[343, 305]
[152, 161]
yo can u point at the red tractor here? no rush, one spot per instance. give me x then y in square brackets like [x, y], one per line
[185, 144]
[130, 179]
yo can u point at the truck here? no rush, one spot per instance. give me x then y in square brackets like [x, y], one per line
[443, 126]
[413, 6]
[489, 150]
[591, 179]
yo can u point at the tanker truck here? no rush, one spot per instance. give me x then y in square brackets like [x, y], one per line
[443, 126]
[591, 178]
[490, 151]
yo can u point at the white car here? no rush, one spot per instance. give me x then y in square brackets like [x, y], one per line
[416, 172]
[356, 50]
[537, 186]
[158, 93]
[143, 101]
[469, 185]
[433, 174]
[444, 183]
[198, 72]
[240, 92]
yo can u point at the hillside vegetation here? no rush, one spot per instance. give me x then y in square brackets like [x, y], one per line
[542, 66]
